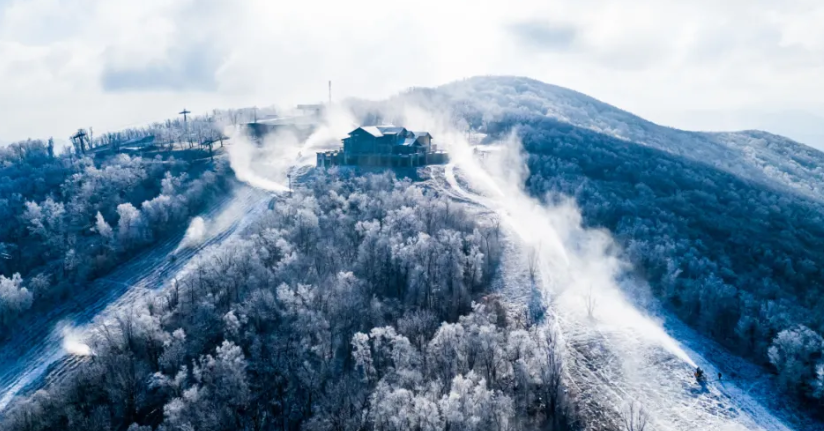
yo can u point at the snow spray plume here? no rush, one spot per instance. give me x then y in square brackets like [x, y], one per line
[336, 124]
[74, 342]
[267, 166]
[249, 163]
[577, 266]
[194, 234]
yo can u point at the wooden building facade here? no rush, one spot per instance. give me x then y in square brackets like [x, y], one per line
[389, 146]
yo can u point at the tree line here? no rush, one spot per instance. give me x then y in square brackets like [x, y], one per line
[357, 302]
[70, 218]
[739, 261]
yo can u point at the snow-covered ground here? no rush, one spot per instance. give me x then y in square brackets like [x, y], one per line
[53, 345]
[43, 347]
[614, 353]
[753, 155]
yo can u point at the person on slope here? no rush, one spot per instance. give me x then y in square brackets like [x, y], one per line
[699, 375]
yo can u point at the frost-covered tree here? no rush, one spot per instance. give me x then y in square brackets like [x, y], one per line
[61, 212]
[331, 311]
[795, 353]
[14, 298]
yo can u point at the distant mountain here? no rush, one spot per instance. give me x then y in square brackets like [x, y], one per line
[752, 155]
[798, 125]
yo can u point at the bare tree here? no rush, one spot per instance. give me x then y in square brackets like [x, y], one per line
[590, 302]
[533, 262]
[552, 393]
[634, 417]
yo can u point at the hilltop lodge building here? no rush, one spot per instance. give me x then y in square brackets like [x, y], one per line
[389, 146]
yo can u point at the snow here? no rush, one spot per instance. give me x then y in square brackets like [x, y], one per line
[754, 155]
[619, 354]
[41, 348]
[614, 352]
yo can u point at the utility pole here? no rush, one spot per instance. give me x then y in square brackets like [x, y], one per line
[79, 138]
[185, 114]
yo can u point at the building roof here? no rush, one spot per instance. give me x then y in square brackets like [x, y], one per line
[311, 107]
[385, 130]
[390, 129]
[289, 120]
[372, 130]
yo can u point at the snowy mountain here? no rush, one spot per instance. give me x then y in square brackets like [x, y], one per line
[753, 155]
[798, 125]
[724, 227]
[364, 301]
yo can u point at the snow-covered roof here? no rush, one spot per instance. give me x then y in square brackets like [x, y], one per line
[372, 130]
[409, 142]
[390, 129]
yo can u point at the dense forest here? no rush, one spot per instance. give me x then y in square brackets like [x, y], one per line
[71, 217]
[355, 303]
[725, 227]
[365, 302]
[737, 260]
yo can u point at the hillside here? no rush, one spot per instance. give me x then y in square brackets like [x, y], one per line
[476, 296]
[725, 227]
[752, 155]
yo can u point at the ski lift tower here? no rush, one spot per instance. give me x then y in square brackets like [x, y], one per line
[185, 112]
[79, 139]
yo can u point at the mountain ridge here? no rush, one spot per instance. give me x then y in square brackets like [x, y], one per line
[751, 154]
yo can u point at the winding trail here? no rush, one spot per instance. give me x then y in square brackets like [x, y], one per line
[36, 350]
[616, 354]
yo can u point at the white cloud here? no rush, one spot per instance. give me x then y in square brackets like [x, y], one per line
[111, 63]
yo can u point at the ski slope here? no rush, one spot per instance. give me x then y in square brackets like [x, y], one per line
[37, 349]
[615, 354]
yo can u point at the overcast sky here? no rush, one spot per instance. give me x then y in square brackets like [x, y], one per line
[702, 64]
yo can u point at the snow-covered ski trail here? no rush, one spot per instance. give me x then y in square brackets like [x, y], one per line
[36, 349]
[614, 357]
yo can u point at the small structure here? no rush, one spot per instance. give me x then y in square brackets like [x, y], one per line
[301, 126]
[81, 141]
[316, 109]
[388, 145]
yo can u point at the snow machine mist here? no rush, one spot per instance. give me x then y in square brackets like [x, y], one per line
[576, 265]
[267, 166]
[194, 236]
[74, 342]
